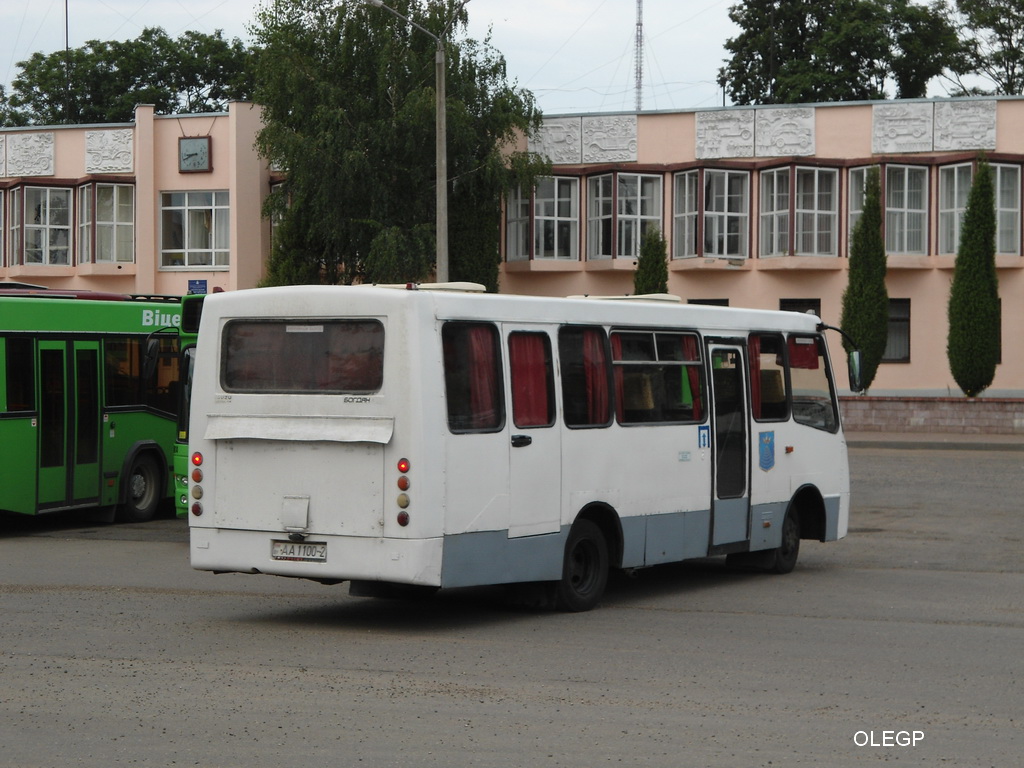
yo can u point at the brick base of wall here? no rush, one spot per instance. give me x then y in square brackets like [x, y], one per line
[954, 415]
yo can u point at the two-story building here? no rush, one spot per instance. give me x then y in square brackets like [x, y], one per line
[757, 206]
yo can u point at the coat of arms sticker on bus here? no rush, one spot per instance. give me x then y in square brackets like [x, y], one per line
[766, 449]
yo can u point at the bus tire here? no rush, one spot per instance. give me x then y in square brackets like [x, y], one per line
[142, 491]
[785, 555]
[584, 568]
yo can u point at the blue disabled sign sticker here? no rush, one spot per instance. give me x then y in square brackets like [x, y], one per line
[766, 450]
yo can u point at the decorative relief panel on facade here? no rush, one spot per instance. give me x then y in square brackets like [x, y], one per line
[109, 151]
[901, 128]
[728, 133]
[559, 140]
[609, 139]
[3, 156]
[785, 132]
[30, 154]
[965, 125]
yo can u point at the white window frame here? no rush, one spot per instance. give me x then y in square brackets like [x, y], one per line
[517, 226]
[906, 210]
[202, 218]
[1007, 196]
[639, 208]
[954, 189]
[621, 207]
[816, 212]
[726, 214]
[556, 219]
[49, 232]
[685, 204]
[774, 202]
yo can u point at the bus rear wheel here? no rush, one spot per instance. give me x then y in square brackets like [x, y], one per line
[142, 494]
[584, 569]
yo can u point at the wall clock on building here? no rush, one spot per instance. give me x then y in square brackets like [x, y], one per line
[194, 154]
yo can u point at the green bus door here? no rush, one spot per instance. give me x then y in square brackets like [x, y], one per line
[69, 424]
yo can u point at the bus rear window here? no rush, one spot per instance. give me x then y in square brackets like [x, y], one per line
[303, 356]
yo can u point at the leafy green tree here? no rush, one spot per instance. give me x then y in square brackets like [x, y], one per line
[973, 343]
[993, 32]
[348, 101]
[651, 274]
[800, 51]
[103, 81]
[865, 314]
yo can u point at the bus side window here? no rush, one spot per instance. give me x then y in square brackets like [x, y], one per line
[533, 386]
[20, 375]
[657, 377]
[768, 394]
[123, 363]
[586, 375]
[814, 404]
[472, 377]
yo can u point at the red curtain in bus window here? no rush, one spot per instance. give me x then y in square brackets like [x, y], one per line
[618, 374]
[690, 352]
[528, 361]
[803, 352]
[483, 377]
[595, 369]
[754, 361]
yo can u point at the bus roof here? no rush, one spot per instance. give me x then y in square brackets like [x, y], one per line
[655, 311]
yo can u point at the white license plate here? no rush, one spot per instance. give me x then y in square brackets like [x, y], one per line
[299, 551]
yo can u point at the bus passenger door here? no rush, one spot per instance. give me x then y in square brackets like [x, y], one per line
[731, 503]
[535, 467]
[69, 423]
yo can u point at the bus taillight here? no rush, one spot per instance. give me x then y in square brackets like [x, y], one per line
[197, 459]
[403, 465]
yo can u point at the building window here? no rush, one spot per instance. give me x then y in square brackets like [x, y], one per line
[556, 218]
[1007, 182]
[906, 212]
[684, 211]
[517, 226]
[108, 210]
[897, 346]
[617, 222]
[709, 302]
[816, 211]
[954, 187]
[726, 207]
[804, 306]
[47, 226]
[774, 229]
[195, 229]
[857, 191]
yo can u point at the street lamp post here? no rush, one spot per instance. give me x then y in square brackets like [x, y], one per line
[440, 132]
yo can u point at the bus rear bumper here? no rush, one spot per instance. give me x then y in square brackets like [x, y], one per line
[344, 558]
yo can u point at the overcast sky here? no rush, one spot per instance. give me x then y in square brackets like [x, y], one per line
[575, 55]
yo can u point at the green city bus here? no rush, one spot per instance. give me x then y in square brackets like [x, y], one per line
[88, 401]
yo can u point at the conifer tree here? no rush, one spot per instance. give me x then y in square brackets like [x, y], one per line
[651, 274]
[973, 343]
[865, 315]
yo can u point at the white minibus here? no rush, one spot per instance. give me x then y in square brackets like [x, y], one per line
[435, 436]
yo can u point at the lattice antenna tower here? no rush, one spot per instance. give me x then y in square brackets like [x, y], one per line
[638, 54]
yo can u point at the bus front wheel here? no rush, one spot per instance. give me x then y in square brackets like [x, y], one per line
[142, 494]
[584, 569]
[784, 559]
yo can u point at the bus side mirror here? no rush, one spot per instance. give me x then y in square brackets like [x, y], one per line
[853, 366]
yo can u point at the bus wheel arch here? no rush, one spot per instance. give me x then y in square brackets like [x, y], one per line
[593, 545]
[809, 506]
[143, 481]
